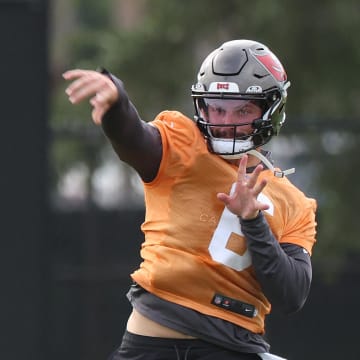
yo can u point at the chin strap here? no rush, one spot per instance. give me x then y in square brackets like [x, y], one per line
[277, 173]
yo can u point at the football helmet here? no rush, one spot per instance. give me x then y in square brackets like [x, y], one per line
[246, 70]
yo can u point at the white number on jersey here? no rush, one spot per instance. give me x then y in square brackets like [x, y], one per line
[229, 224]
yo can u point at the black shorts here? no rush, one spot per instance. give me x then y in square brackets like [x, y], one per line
[136, 347]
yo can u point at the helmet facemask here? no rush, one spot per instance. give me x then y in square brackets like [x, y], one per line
[231, 140]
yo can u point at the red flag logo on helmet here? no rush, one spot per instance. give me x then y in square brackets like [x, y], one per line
[272, 63]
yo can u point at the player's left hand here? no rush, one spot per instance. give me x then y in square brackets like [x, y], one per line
[243, 201]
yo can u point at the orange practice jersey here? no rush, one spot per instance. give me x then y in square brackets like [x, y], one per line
[193, 245]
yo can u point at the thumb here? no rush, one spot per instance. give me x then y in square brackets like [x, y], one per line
[97, 114]
[223, 197]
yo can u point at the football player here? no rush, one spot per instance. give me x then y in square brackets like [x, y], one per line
[227, 235]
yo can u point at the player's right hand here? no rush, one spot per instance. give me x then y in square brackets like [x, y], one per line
[243, 202]
[91, 84]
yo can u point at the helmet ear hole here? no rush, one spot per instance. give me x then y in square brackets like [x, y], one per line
[257, 140]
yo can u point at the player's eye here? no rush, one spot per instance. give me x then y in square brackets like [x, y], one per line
[217, 109]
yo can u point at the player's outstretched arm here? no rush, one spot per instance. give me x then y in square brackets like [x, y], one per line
[134, 141]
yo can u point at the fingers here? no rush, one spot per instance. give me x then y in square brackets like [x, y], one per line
[249, 180]
[90, 84]
[242, 168]
[96, 115]
[85, 84]
[73, 74]
[80, 79]
[82, 90]
[243, 201]
[253, 178]
[259, 187]
[263, 207]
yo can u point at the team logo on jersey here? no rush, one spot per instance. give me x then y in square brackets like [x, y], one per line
[272, 64]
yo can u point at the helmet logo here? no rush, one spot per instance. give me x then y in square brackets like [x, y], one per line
[223, 87]
[273, 65]
[254, 89]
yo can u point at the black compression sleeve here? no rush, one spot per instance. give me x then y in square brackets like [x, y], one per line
[283, 270]
[135, 142]
[122, 119]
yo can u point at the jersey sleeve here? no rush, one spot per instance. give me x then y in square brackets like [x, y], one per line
[301, 227]
[179, 136]
[292, 218]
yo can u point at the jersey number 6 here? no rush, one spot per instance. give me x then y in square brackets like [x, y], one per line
[228, 225]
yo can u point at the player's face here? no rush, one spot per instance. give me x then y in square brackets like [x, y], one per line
[229, 113]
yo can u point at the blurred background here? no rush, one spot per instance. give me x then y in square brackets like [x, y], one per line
[71, 211]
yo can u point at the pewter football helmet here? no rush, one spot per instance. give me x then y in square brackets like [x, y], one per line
[241, 69]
